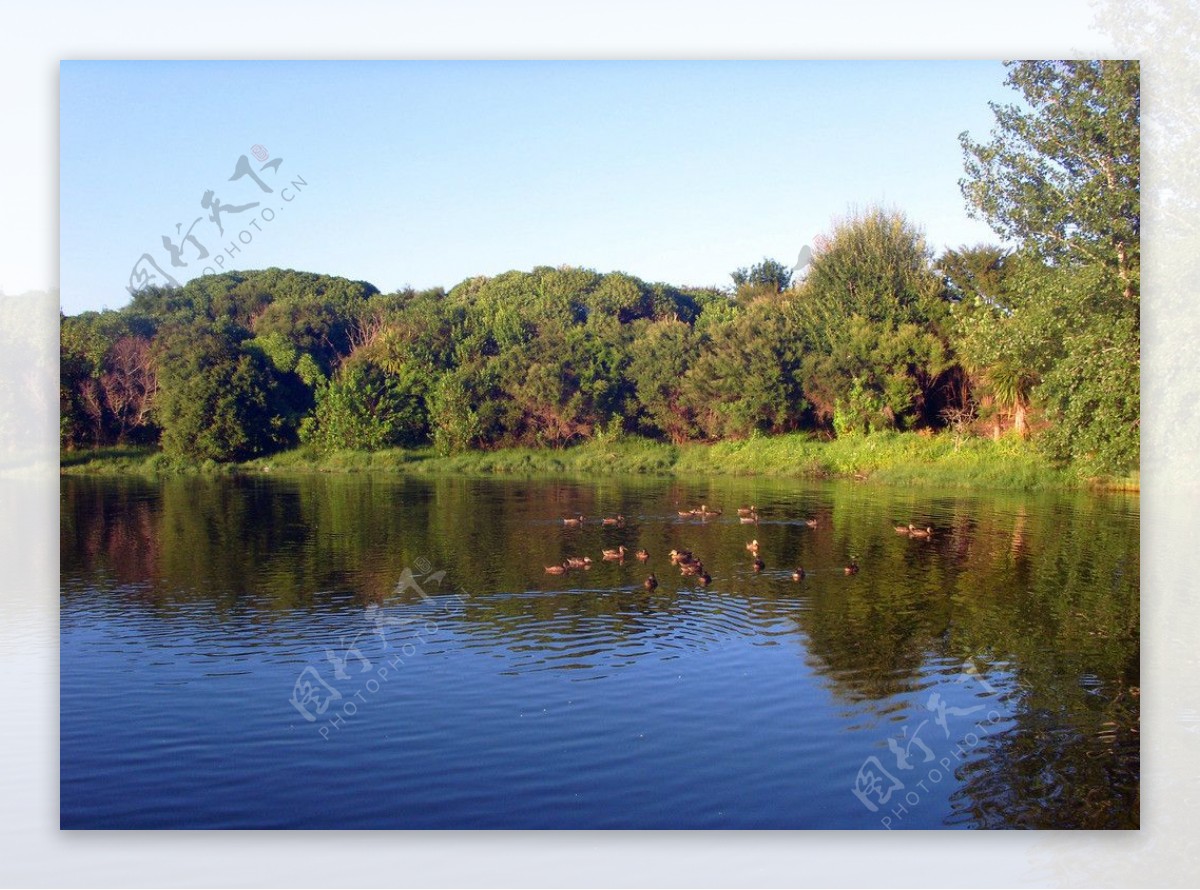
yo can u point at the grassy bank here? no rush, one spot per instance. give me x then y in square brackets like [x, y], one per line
[891, 459]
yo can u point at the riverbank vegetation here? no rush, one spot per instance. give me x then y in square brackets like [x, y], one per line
[1014, 366]
[888, 458]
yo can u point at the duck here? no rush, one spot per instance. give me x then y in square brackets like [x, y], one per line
[651, 582]
[759, 565]
[926, 532]
[851, 569]
[686, 514]
[642, 555]
[704, 512]
[811, 523]
[678, 556]
[753, 546]
[578, 562]
[691, 568]
[747, 511]
[798, 574]
[556, 570]
[578, 520]
[613, 520]
[619, 553]
[704, 579]
[903, 529]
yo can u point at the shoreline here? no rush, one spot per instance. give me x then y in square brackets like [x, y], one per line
[894, 459]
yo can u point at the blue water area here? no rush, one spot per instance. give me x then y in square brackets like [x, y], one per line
[386, 652]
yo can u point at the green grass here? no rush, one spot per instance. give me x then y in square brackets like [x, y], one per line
[116, 460]
[627, 456]
[888, 458]
[124, 460]
[885, 458]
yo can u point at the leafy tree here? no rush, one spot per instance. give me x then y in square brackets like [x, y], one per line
[368, 408]
[549, 388]
[107, 381]
[82, 345]
[1001, 364]
[453, 414]
[974, 272]
[129, 383]
[872, 312]
[1090, 390]
[1061, 177]
[766, 278]
[745, 378]
[660, 357]
[617, 300]
[217, 401]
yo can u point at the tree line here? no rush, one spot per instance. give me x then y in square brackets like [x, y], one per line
[1040, 337]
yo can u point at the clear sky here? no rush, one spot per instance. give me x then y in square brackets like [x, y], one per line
[426, 173]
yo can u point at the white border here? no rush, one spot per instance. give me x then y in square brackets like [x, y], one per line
[34, 853]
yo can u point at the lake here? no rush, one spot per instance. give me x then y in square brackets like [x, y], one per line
[389, 652]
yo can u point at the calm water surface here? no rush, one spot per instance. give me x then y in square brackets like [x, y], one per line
[353, 652]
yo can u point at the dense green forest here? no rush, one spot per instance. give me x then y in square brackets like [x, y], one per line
[1039, 339]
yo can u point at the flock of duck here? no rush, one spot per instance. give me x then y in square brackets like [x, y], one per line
[688, 563]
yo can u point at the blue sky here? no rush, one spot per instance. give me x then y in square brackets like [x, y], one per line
[426, 173]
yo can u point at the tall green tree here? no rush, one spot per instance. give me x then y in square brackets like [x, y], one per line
[1061, 178]
[1062, 171]
[872, 312]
